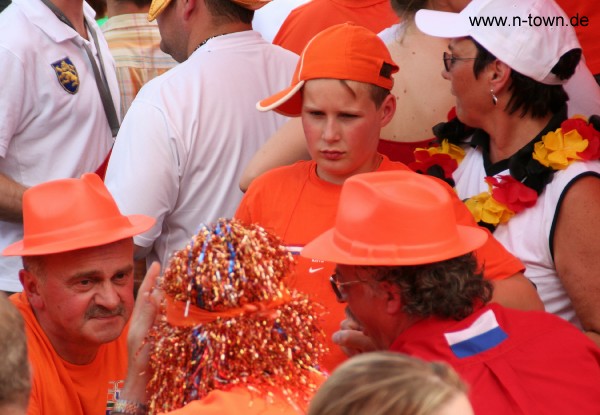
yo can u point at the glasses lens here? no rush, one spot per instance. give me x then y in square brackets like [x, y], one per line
[335, 287]
[447, 59]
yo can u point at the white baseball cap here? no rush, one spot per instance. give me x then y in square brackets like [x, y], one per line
[530, 36]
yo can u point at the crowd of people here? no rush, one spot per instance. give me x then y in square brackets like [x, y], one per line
[378, 207]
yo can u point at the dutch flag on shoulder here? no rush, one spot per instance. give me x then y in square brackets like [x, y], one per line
[294, 249]
[484, 334]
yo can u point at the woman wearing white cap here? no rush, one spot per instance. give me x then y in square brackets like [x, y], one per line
[530, 173]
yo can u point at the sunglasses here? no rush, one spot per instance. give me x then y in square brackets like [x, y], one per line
[338, 289]
[450, 60]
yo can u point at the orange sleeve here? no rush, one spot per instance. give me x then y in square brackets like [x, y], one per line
[243, 211]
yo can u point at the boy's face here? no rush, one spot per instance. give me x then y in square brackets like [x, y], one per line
[342, 127]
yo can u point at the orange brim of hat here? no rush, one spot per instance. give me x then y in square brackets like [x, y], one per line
[287, 102]
[156, 8]
[71, 239]
[333, 248]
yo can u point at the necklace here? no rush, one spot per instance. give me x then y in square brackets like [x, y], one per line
[207, 39]
[575, 140]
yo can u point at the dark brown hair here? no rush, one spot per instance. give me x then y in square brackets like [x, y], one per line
[448, 289]
[226, 11]
[530, 96]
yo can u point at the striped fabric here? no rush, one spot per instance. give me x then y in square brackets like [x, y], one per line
[135, 46]
[482, 335]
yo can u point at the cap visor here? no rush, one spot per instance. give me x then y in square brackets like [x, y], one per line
[286, 102]
[139, 224]
[324, 248]
[442, 24]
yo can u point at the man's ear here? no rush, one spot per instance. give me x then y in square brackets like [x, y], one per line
[393, 300]
[388, 109]
[31, 288]
[188, 8]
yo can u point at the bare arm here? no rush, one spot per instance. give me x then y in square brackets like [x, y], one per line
[284, 147]
[576, 244]
[11, 199]
[517, 292]
[144, 314]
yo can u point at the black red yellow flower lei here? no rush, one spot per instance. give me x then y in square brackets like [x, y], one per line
[575, 140]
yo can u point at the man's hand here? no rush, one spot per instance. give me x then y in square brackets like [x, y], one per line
[144, 314]
[350, 337]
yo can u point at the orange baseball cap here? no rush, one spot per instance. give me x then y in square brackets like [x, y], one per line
[158, 6]
[394, 218]
[69, 214]
[344, 51]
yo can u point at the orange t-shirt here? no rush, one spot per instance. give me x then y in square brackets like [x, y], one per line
[63, 388]
[294, 203]
[585, 15]
[238, 400]
[307, 20]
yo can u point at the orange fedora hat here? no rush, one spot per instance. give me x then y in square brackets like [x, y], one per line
[344, 51]
[394, 218]
[69, 214]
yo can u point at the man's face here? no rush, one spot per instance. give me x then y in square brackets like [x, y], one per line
[366, 303]
[342, 127]
[85, 297]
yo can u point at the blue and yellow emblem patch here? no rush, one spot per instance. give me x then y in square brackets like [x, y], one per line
[67, 75]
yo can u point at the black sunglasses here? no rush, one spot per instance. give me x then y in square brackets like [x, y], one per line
[337, 287]
[450, 59]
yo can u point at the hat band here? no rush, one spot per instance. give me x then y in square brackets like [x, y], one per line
[184, 314]
[360, 250]
[72, 232]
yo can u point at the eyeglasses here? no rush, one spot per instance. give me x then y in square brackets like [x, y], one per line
[450, 59]
[340, 293]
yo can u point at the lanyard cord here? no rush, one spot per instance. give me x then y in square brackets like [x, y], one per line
[101, 81]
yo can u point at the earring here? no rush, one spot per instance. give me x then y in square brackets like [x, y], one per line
[494, 97]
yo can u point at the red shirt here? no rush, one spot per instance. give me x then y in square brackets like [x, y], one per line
[532, 362]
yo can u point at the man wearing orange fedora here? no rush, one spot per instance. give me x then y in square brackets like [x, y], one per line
[341, 89]
[189, 133]
[77, 294]
[405, 269]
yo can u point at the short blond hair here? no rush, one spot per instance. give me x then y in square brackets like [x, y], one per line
[386, 383]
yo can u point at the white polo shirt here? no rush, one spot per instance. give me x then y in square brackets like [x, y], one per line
[48, 130]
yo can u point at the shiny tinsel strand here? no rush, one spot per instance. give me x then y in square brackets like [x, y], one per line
[226, 266]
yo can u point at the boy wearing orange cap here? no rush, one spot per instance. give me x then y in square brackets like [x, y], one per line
[77, 294]
[341, 88]
[414, 287]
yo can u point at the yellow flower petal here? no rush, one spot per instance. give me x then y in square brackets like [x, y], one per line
[540, 153]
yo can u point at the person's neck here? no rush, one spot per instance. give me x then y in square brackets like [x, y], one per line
[73, 10]
[117, 8]
[70, 351]
[401, 323]
[510, 132]
[201, 36]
